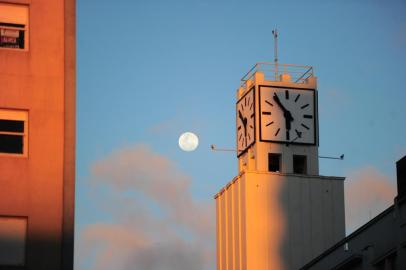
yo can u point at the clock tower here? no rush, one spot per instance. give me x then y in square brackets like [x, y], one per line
[278, 129]
[278, 212]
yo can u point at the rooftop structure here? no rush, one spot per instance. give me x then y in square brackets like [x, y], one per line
[279, 72]
[378, 244]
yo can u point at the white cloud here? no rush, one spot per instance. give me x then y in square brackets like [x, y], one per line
[367, 193]
[157, 223]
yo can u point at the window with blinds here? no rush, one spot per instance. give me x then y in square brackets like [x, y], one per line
[13, 26]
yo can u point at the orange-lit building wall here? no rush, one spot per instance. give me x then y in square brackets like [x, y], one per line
[269, 220]
[40, 185]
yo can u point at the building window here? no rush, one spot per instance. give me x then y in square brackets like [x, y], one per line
[299, 164]
[388, 262]
[13, 235]
[13, 26]
[13, 132]
[274, 162]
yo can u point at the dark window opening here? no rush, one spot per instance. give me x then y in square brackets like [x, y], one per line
[387, 263]
[12, 144]
[274, 162]
[13, 132]
[299, 164]
[11, 125]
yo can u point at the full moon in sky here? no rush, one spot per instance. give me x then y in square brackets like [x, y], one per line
[188, 141]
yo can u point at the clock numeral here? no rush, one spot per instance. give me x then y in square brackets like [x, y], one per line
[252, 104]
[297, 97]
[304, 106]
[276, 134]
[308, 116]
[251, 127]
[269, 123]
[245, 101]
[240, 137]
[266, 113]
[239, 128]
[252, 115]
[287, 94]
[306, 127]
[266, 101]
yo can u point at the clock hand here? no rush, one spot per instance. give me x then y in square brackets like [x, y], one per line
[287, 123]
[287, 144]
[288, 119]
[286, 113]
[244, 121]
[240, 116]
[277, 100]
[298, 133]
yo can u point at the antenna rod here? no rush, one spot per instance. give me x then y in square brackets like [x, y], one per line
[340, 157]
[275, 36]
[214, 148]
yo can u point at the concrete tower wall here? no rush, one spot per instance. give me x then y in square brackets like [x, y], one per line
[277, 221]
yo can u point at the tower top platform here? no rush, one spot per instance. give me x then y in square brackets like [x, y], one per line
[280, 73]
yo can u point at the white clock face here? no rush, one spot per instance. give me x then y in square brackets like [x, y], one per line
[245, 110]
[287, 115]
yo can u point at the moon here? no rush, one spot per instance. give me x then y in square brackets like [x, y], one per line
[188, 141]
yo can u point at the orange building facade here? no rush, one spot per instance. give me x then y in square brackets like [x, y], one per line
[37, 133]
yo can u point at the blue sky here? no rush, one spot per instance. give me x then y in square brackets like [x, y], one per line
[149, 70]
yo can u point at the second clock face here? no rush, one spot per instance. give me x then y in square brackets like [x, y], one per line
[245, 110]
[287, 115]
